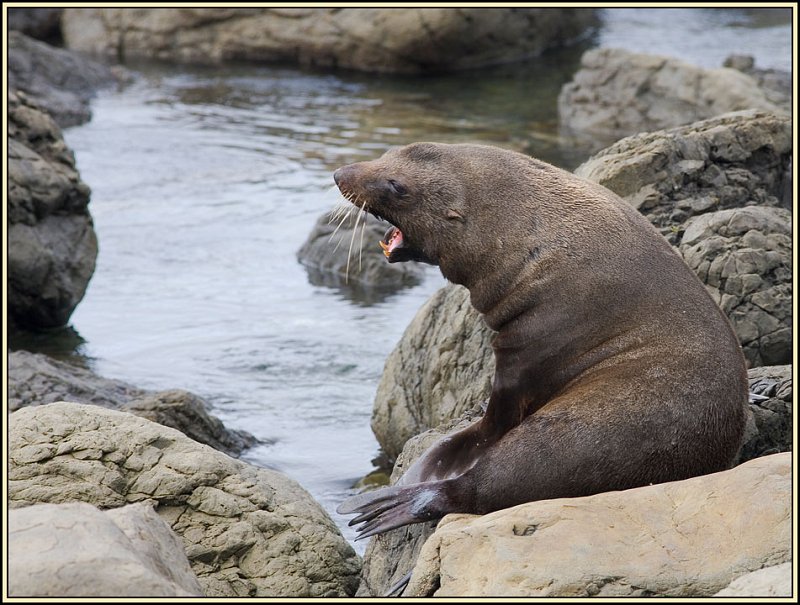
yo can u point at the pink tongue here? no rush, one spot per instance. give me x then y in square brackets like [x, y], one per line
[397, 239]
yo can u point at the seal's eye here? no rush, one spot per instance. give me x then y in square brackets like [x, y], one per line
[397, 188]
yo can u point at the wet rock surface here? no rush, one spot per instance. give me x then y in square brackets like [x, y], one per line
[770, 422]
[412, 40]
[340, 256]
[39, 23]
[35, 379]
[60, 81]
[51, 240]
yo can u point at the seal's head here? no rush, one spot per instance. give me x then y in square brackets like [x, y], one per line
[475, 211]
[417, 189]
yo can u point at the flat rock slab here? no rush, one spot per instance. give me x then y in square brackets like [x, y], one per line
[680, 539]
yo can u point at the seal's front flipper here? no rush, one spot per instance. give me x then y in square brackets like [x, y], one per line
[392, 507]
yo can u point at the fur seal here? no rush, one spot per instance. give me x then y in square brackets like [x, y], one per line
[614, 366]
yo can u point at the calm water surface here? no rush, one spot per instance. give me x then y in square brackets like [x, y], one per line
[206, 182]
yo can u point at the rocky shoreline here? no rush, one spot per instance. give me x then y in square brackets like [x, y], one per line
[101, 470]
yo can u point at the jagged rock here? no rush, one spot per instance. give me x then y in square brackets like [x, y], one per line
[76, 550]
[367, 275]
[59, 81]
[442, 367]
[682, 539]
[52, 245]
[35, 379]
[617, 93]
[744, 256]
[775, 581]
[730, 161]
[769, 423]
[247, 531]
[411, 40]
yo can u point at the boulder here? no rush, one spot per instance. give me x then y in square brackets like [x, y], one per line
[247, 531]
[367, 276]
[412, 40]
[35, 379]
[77, 550]
[775, 581]
[441, 368]
[617, 93]
[730, 161]
[52, 245]
[60, 81]
[744, 256]
[682, 539]
[39, 23]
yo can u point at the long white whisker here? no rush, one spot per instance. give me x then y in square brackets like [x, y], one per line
[341, 222]
[352, 239]
[361, 242]
[338, 211]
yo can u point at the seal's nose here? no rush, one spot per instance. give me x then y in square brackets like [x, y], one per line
[337, 176]
[343, 174]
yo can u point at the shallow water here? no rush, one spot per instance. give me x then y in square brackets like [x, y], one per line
[206, 181]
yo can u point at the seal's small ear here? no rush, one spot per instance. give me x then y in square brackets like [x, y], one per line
[454, 215]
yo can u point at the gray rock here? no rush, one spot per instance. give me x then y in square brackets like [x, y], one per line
[681, 539]
[775, 581]
[412, 40]
[770, 422]
[442, 367]
[247, 531]
[35, 379]
[730, 161]
[51, 240]
[744, 256]
[367, 276]
[775, 83]
[60, 81]
[39, 23]
[76, 550]
[617, 93]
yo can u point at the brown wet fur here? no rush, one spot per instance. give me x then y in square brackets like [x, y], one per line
[614, 367]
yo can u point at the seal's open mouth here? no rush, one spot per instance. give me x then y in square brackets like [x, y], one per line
[398, 249]
[393, 239]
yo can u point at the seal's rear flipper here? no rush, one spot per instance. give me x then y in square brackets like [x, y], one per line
[392, 507]
[399, 586]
